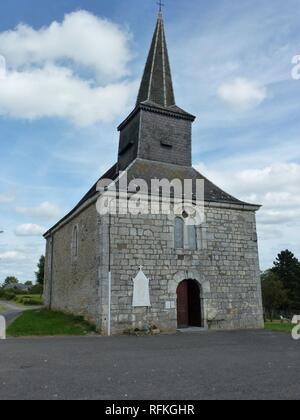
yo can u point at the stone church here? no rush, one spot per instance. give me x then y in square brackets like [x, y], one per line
[127, 271]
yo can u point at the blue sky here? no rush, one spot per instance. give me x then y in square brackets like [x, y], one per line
[67, 85]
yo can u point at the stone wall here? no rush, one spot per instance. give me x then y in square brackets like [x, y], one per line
[73, 285]
[225, 265]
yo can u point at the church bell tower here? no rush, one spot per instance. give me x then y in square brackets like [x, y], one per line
[157, 129]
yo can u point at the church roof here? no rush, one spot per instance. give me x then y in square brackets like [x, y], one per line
[156, 85]
[149, 170]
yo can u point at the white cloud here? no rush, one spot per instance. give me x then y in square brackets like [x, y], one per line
[242, 93]
[6, 198]
[29, 230]
[276, 178]
[82, 37]
[45, 210]
[276, 187]
[2, 68]
[36, 84]
[11, 256]
[57, 92]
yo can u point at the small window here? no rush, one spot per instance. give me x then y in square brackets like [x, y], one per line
[75, 242]
[192, 237]
[179, 233]
[185, 235]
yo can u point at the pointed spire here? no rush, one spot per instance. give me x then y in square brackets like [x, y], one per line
[157, 83]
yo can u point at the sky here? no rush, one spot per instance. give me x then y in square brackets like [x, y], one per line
[69, 74]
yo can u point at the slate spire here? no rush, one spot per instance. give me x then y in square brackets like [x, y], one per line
[157, 83]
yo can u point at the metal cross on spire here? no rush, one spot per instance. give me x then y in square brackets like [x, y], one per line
[160, 5]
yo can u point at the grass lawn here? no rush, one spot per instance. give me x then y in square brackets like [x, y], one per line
[42, 322]
[2, 309]
[29, 300]
[278, 326]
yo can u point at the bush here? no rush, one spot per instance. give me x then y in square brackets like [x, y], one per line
[9, 295]
[32, 302]
[36, 290]
[29, 300]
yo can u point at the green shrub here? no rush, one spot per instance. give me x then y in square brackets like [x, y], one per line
[18, 292]
[29, 300]
[9, 295]
[18, 299]
[32, 302]
[36, 290]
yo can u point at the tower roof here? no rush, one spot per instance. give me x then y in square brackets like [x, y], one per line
[157, 86]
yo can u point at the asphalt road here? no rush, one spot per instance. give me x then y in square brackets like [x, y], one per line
[215, 365]
[11, 311]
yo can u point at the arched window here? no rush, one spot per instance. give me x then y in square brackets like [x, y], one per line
[185, 235]
[179, 233]
[75, 242]
[192, 237]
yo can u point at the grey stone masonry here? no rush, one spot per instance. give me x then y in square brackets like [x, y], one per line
[71, 282]
[225, 265]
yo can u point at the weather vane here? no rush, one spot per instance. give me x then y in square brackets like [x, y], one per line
[161, 5]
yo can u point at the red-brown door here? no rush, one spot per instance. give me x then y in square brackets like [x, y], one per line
[183, 305]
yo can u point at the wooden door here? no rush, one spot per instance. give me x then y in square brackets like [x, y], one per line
[183, 305]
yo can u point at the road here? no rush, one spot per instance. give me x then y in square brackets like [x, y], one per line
[11, 311]
[213, 365]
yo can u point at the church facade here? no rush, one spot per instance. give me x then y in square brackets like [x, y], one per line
[124, 271]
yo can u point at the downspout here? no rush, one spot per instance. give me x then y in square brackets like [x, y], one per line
[51, 274]
[109, 278]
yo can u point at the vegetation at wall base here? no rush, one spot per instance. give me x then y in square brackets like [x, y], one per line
[42, 322]
[279, 326]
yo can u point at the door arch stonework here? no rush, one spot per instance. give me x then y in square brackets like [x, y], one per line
[204, 286]
[189, 304]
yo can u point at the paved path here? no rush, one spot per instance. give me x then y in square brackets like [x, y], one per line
[11, 311]
[214, 365]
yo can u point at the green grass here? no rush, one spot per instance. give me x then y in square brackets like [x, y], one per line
[2, 309]
[278, 326]
[42, 322]
[29, 300]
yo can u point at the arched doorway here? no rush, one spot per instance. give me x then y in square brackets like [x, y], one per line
[189, 311]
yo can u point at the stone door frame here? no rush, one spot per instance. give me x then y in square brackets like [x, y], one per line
[204, 286]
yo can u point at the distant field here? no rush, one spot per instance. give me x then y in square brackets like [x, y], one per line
[278, 326]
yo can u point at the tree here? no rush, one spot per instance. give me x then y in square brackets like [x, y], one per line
[275, 297]
[41, 270]
[28, 283]
[10, 282]
[287, 269]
